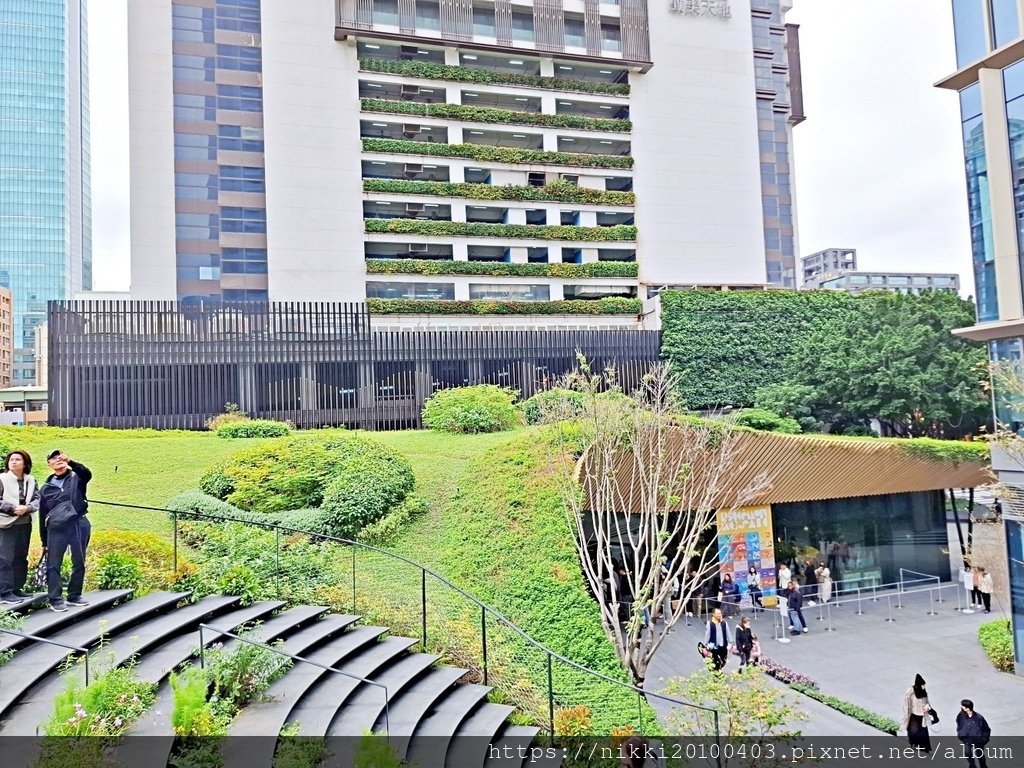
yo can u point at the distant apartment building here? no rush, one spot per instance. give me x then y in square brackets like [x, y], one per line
[829, 261]
[6, 337]
[898, 282]
[437, 150]
[45, 231]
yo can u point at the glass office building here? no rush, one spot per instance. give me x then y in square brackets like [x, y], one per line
[45, 239]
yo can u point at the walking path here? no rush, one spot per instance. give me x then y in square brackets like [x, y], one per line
[870, 661]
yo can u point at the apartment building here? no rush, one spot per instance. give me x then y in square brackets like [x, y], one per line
[6, 337]
[425, 150]
[828, 261]
[913, 283]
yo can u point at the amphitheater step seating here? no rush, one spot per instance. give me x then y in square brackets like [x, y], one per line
[432, 718]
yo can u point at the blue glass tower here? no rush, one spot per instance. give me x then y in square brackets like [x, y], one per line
[45, 238]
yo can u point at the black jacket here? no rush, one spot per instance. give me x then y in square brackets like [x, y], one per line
[795, 600]
[76, 479]
[972, 730]
[744, 639]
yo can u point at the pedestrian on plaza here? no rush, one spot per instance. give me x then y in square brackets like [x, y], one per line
[63, 526]
[783, 592]
[810, 581]
[784, 576]
[755, 650]
[716, 638]
[916, 717]
[824, 584]
[976, 589]
[754, 587]
[694, 591]
[973, 730]
[986, 588]
[19, 499]
[712, 587]
[730, 595]
[968, 580]
[795, 602]
[744, 641]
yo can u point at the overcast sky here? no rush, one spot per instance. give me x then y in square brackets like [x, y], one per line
[879, 164]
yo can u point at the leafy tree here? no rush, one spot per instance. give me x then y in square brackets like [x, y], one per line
[893, 358]
[795, 401]
[766, 421]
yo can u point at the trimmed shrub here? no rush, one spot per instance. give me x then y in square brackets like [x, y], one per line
[619, 232]
[450, 267]
[486, 153]
[553, 403]
[241, 581]
[386, 530]
[610, 305]
[482, 408]
[557, 190]
[232, 413]
[766, 421]
[996, 640]
[489, 115]
[253, 428]
[125, 550]
[362, 494]
[460, 74]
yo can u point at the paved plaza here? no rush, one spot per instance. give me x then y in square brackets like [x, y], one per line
[871, 662]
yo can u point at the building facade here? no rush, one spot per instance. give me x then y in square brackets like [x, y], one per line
[6, 337]
[897, 282]
[990, 82]
[45, 237]
[402, 150]
[829, 261]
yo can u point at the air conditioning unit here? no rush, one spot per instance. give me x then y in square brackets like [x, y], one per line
[409, 131]
[417, 249]
[414, 208]
[413, 169]
[409, 91]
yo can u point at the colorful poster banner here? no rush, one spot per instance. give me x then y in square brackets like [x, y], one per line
[745, 539]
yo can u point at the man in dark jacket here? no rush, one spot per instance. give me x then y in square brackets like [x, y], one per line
[795, 602]
[63, 526]
[972, 729]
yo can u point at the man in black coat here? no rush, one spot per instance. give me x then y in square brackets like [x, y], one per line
[63, 526]
[972, 729]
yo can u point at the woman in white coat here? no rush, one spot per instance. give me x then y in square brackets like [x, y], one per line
[19, 500]
[824, 584]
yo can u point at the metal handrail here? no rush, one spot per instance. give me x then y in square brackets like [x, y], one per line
[500, 618]
[37, 638]
[295, 657]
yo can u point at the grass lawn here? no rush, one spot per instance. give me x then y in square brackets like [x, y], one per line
[127, 467]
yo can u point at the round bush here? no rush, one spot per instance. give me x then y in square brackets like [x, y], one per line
[253, 428]
[767, 421]
[483, 408]
[118, 571]
[331, 483]
[552, 404]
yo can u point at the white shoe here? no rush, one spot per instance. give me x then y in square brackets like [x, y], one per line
[805, 629]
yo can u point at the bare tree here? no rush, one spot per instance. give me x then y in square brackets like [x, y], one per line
[642, 486]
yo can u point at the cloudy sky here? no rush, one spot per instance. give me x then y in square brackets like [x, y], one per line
[878, 161]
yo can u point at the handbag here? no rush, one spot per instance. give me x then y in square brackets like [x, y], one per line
[704, 651]
[935, 716]
[7, 519]
[61, 515]
[39, 573]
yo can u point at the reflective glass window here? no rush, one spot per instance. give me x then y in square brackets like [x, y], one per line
[969, 31]
[1005, 24]
[978, 205]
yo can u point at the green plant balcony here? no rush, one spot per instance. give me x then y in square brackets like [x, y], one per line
[598, 269]
[618, 233]
[489, 115]
[496, 154]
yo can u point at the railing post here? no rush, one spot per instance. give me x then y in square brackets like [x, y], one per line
[277, 562]
[889, 598]
[860, 607]
[86, 670]
[174, 524]
[353, 579]
[483, 634]
[718, 737]
[202, 655]
[551, 699]
[931, 603]
[423, 604]
[639, 713]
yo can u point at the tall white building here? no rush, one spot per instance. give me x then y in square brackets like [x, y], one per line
[441, 149]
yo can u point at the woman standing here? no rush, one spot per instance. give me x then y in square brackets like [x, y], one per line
[19, 500]
[985, 588]
[754, 587]
[824, 584]
[915, 715]
[744, 641]
[730, 595]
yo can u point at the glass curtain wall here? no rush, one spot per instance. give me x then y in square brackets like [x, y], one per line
[978, 203]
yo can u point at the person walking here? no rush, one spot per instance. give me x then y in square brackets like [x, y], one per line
[63, 526]
[783, 602]
[744, 641]
[824, 584]
[916, 717]
[20, 498]
[985, 588]
[754, 588]
[974, 732]
[795, 602]
[716, 638]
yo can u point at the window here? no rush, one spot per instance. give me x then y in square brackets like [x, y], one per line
[235, 178]
[522, 26]
[498, 292]
[243, 220]
[969, 31]
[245, 294]
[574, 35]
[1005, 24]
[536, 179]
[428, 15]
[483, 21]
[611, 37]
[240, 138]
[899, 280]
[921, 280]
[397, 290]
[385, 12]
